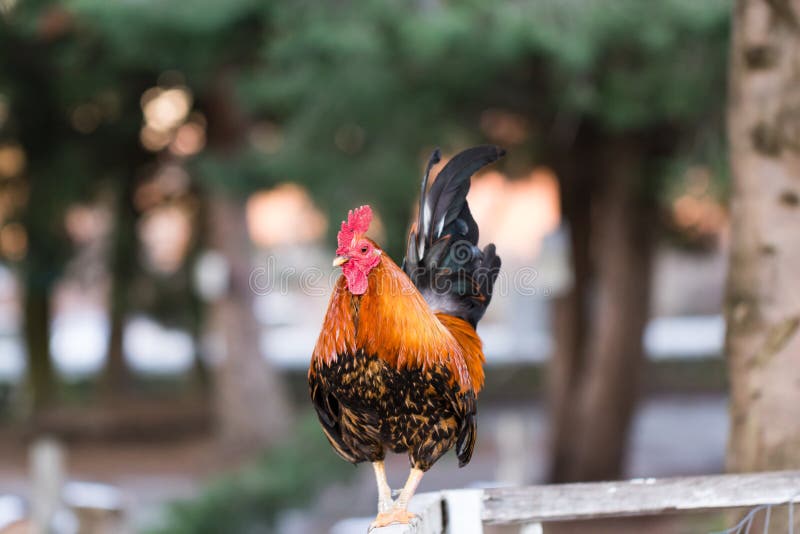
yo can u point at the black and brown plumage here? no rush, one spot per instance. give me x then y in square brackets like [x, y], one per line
[398, 363]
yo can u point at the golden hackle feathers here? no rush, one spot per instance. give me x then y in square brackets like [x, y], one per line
[392, 321]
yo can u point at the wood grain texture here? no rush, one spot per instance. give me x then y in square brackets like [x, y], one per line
[638, 497]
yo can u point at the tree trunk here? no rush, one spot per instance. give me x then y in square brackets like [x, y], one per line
[41, 382]
[610, 378]
[201, 377]
[762, 307]
[601, 323]
[116, 380]
[46, 255]
[251, 404]
[570, 313]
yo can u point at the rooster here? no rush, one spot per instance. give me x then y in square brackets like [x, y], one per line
[398, 364]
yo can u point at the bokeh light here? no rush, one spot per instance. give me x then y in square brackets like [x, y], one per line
[13, 241]
[165, 110]
[12, 160]
[284, 215]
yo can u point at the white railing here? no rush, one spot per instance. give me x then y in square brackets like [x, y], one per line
[466, 511]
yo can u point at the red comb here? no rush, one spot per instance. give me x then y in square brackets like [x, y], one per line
[357, 223]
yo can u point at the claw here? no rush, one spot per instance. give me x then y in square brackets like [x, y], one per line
[393, 516]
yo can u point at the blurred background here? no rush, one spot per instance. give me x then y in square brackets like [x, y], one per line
[172, 175]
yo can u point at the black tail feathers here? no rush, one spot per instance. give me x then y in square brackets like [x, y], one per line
[443, 258]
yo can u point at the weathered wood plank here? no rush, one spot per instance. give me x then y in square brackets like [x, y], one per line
[638, 497]
[464, 511]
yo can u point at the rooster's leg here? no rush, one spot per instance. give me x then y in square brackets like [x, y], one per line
[384, 491]
[413, 481]
[399, 512]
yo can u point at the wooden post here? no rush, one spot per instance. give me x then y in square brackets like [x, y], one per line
[47, 475]
[464, 508]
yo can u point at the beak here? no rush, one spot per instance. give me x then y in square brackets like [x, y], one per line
[339, 260]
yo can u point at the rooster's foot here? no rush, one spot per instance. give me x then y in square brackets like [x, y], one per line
[385, 505]
[393, 516]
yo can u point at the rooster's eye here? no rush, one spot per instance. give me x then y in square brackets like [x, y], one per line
[364, 249]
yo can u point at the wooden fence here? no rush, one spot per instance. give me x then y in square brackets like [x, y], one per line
[466, 511]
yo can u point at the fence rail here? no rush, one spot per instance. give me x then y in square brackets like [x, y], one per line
[465, 511]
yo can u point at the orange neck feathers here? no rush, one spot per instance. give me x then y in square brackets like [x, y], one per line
[471, 347]
[392, 321]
